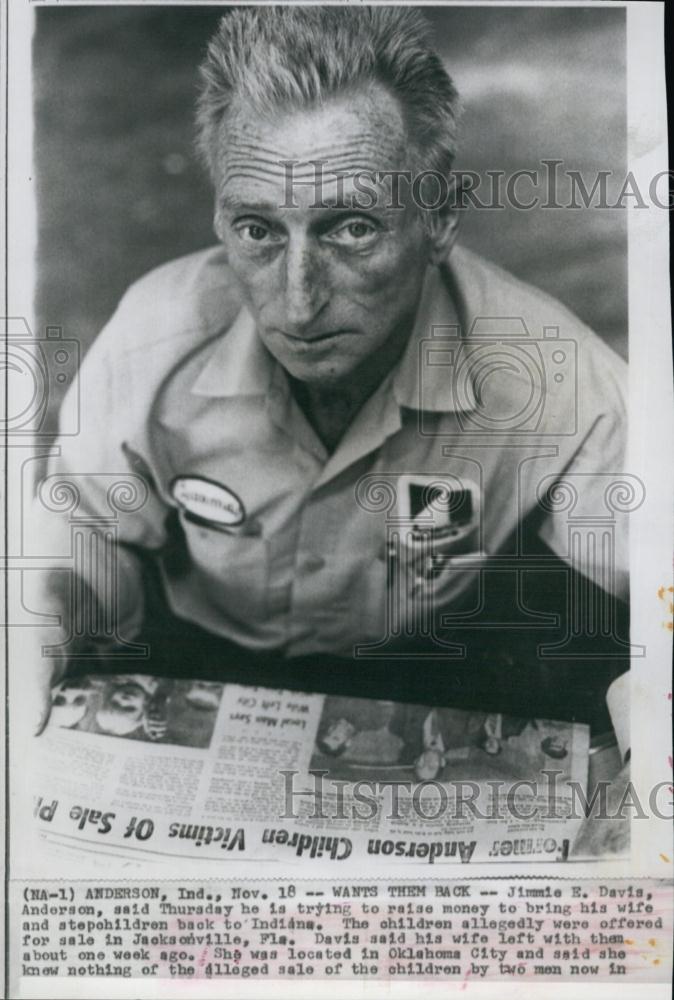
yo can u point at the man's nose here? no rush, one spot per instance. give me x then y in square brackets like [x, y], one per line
[306, 290]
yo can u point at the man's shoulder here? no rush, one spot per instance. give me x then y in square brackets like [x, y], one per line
[191, 297]
[493, 294]
[495, 302]
[162, 320]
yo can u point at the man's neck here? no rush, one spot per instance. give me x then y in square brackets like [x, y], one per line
[328, 411]
[331, 409]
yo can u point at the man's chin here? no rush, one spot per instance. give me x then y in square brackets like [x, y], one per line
[318, 374]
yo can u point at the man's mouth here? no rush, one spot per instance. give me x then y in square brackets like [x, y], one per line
[314, 339]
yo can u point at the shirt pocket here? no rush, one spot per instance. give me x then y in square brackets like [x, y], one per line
[232, 568]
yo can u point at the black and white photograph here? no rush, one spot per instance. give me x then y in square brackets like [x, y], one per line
[360, 738]
[337, 378]
[138, 707]
[350, 387]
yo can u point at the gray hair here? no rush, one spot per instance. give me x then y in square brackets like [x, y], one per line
[286, 57]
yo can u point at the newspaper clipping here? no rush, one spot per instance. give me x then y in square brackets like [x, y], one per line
[194, 772]
[337, 554]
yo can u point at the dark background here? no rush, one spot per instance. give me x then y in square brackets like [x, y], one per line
[120, 191]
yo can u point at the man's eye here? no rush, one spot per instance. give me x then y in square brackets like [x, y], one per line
[254, 232]
[354, 232]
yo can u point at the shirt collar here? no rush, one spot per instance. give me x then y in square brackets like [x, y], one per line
[424, 379]
[239, 364]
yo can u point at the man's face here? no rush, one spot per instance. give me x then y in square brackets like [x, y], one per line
[329, 287]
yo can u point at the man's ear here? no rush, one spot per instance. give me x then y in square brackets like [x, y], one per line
[219, 230]
[444, 224]
[217, 224]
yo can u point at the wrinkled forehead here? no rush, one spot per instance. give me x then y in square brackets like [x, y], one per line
[320, 150]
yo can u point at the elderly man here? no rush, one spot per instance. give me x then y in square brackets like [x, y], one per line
[264, 394]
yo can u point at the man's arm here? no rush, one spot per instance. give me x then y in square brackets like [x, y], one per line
[587, 505]
[93, 512]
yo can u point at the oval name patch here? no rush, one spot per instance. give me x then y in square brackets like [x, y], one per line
[207, 501]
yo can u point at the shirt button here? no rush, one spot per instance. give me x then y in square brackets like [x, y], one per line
[312, 563]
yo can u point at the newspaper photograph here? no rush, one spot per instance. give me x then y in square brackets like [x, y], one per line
[337, 551]
[364, 778]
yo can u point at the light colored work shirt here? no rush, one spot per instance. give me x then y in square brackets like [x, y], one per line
[499, 393]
